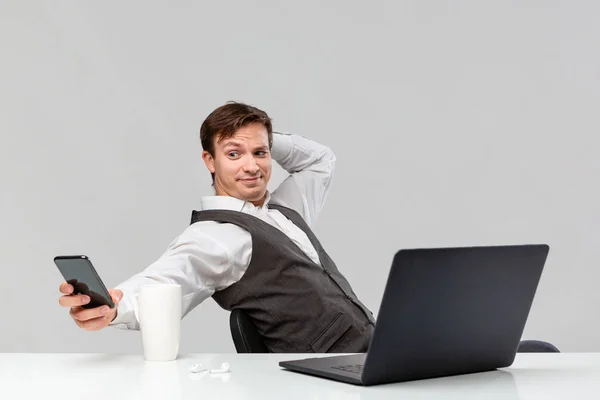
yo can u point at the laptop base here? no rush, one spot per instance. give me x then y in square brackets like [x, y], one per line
[328, 367]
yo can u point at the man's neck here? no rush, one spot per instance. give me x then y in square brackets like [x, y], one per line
[256, 203]
[261, 202]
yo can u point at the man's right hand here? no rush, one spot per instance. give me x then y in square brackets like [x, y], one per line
[90, 319]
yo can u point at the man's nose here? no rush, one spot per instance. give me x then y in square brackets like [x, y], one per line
[250, 165]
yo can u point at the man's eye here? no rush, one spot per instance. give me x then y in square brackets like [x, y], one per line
[261, 153]
[232, 154]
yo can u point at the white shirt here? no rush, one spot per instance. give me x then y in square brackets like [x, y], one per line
[210, 256]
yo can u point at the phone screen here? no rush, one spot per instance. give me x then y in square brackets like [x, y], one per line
[79, 272]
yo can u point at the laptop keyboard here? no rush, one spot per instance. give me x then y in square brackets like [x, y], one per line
[354, 368]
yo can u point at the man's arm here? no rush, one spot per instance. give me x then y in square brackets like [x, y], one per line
[196, 261]
[311, 166]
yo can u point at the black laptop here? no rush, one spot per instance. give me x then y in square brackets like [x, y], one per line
[444, 312]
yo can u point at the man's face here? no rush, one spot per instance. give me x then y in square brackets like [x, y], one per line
[242, 164]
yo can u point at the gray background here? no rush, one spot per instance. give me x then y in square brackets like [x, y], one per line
[454, 123]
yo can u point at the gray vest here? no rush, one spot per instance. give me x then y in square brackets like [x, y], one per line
[296, 305]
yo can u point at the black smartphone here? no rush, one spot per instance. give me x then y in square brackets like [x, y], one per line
[81, 274]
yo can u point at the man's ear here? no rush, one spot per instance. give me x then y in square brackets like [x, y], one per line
[209, 161]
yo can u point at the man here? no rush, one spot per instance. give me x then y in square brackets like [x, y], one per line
[251, 249]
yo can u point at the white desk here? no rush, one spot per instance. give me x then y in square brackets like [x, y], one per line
[254, 376]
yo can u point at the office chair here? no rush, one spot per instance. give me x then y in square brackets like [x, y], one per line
[247, 340]
[245, 337]
[536, 346]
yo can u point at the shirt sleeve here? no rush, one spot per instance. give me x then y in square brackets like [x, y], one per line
[311, 166]
[197, 260]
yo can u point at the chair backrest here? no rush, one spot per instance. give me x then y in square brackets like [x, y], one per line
[245, 337]
[536, 346]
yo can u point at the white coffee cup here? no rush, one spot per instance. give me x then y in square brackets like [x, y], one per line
[159, 314]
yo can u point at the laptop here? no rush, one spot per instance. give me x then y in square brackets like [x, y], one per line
[444, 312]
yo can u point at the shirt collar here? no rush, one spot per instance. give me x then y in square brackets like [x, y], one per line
[230, 203]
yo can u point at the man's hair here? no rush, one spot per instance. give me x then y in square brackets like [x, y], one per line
[223, 122]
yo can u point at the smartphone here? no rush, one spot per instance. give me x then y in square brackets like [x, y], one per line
[81, 274]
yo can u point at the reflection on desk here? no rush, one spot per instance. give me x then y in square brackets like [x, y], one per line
[258, 376]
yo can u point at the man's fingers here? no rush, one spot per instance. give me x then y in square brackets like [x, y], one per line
[83, 314]
[73, 300]
[66, 288]
[90, 319]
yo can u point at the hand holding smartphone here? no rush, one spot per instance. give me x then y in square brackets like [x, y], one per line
[79, 272]
[81, 281]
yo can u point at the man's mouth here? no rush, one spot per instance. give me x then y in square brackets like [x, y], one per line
[250, 180]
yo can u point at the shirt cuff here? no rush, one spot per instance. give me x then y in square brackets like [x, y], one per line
[126, 317]
[282, 146]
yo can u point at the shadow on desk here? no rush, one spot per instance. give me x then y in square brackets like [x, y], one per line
[490, 385]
